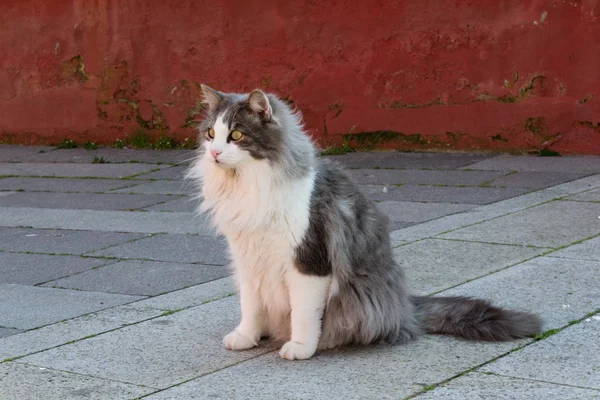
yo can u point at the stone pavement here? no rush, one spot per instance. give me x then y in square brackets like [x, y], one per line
[110, 288]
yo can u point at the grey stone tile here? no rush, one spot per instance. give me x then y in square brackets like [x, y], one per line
[492, 387]
[32, 269]
[442, 194]
[178, 248]
[426, 177]
[61, 241]
[179, 205]
[6, 332]
[21, 382]
[592, 195]
[77, 328]
[418, 212]
[81, 201]
[374, 372]
[586, 250]
[571, 357]
[191, 296]
[587, 164]
[63, 184]
[14, 153]
[536, 180]
[432, 265]
[175, 173]
[76, 170]
[161, 187]
[394, 159]
[144, 278]
[559, 290]
[158, 353]
[548, 225]
[111, 155]
[111, 221]
[26, 307]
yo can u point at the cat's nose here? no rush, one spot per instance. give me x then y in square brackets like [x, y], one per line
[215, 153]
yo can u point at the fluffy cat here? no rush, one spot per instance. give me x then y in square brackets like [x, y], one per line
[311, 254]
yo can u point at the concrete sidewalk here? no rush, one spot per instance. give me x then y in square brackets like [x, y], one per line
[110, 288]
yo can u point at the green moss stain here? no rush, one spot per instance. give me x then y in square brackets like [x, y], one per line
[75, 68]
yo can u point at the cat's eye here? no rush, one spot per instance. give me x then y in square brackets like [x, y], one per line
[211, 133]
[236, 135]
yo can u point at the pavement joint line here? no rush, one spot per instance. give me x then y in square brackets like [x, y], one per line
[536, 380]
[142, 173]
[145, 236]
[206, 374]
[119, 259]
[76, 273]
[515, 349]
[166, 312]
[493, 243]
[84, 375]
[581, 201]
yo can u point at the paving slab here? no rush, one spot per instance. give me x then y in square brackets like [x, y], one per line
[537, 226]
[559, 290]
[32, 269]
[419, 176]
[56, 241]
[63, 184]
[5, 332]
[542, 164]
[81, 201]
[73, 329]
[486, 212]
[161, 187]
[191, 296]
[442, 194]
[174, 173]
[535, 180]
[110, 155]
[27, 307]
[395, 159]
[14, 153]
[407, 211]
[76, 170]
[107, 221]
[143, 278]
[21, 382]
[374, 372]
[476, 385]
[432, 265]
[180, 248]
[586, 250]
[592, 195]
[571, 357]
[179, 205]
[158, 353]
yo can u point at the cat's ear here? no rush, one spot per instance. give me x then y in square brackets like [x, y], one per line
[211, 98]
[259, 103]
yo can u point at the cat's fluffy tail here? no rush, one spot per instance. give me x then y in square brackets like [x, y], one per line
[473, 319]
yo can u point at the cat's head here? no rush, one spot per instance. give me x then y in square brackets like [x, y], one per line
[241, 128]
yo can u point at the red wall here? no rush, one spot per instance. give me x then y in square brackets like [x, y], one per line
[483, 74]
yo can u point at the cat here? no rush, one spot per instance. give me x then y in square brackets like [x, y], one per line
[311, 254]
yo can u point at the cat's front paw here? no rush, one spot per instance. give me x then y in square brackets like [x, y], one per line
[296, 351]
[237, 341]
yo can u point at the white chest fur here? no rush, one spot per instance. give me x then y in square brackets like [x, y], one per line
[264, 219]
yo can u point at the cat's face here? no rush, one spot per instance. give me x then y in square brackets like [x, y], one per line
[238, 129]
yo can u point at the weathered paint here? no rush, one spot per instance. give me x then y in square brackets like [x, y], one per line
[503, 75]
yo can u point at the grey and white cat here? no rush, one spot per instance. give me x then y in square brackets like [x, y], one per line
[311, 254]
